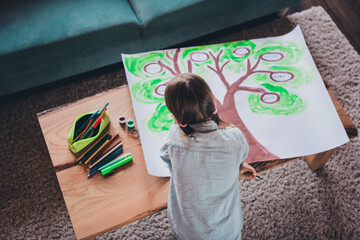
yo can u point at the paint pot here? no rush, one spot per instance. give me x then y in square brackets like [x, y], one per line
[130, 124]
[134, 133]
[122, 120]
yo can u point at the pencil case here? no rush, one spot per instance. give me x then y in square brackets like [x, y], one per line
[80, 145]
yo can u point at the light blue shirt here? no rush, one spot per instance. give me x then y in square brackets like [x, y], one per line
[204, 199]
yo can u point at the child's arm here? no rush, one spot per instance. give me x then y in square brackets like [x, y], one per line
[164, 152]
[247, 171]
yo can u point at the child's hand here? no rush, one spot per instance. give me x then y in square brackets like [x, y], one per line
[247, 171]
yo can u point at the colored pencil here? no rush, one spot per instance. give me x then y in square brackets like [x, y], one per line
[96, 123]
[111, 140]
[79, 130]
[95, 147]
[97, 151]
[101, 145]
[96, 168]
[104, 108]
[83, 132]
[107, 159]
[101, 114]
[108, 153]
[88, 150]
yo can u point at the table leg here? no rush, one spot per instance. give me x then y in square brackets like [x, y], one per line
[317, 161]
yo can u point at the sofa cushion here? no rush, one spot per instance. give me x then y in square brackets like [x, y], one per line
[171, 22]
[27, 24]
[44, 41]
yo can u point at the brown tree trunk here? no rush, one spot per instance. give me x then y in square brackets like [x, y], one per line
[228, 113]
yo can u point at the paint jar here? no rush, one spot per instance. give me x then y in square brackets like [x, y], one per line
[134, 133]
[122, 121]
[130, 123]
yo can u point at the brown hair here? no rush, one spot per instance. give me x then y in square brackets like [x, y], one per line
[189, 98]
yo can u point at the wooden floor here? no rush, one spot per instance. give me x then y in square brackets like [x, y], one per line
[345, 13]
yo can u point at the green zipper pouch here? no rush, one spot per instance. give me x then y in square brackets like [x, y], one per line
[79, 145]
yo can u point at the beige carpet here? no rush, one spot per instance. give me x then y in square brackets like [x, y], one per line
[290, 203]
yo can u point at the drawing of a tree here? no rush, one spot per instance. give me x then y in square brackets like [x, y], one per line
[266, 72]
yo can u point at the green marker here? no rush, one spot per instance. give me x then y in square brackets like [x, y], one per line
[120, 158]
[116, 165]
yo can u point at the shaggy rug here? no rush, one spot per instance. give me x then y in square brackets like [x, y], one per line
[291, 202]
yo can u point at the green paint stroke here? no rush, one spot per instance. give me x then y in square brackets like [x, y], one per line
[204, 73]
[136, 64]
[301, 77]
[160, 120]
[186, 52]
[144, 91]
[231, 46]
[289, 103]
[236, 68]
[227, 54]
[292, 52]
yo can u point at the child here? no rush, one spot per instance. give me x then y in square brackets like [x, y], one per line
[204, 161]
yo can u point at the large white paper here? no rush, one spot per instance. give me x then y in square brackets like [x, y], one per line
[270, 88]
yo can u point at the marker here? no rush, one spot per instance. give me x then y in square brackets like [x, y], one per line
[96, 168]
[100, 150]
[258, 176]
[115, 161]
[116, 165]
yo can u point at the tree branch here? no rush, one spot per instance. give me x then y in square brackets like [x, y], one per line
[189, 66]
[251, 89]
[222, 68]
[166, 67]
[218, 70]
[175, 60]
[257, 63]
[168, 55]
[248, 67]
[218, 56]
[212, 69]
[249, 71]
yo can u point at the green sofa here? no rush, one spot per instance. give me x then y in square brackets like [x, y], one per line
[43, 41]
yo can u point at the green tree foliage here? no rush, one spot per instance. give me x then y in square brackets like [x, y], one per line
[271, 68]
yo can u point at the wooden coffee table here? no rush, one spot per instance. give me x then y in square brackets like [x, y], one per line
[98, 204]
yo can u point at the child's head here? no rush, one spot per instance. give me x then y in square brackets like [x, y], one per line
[189, 98]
